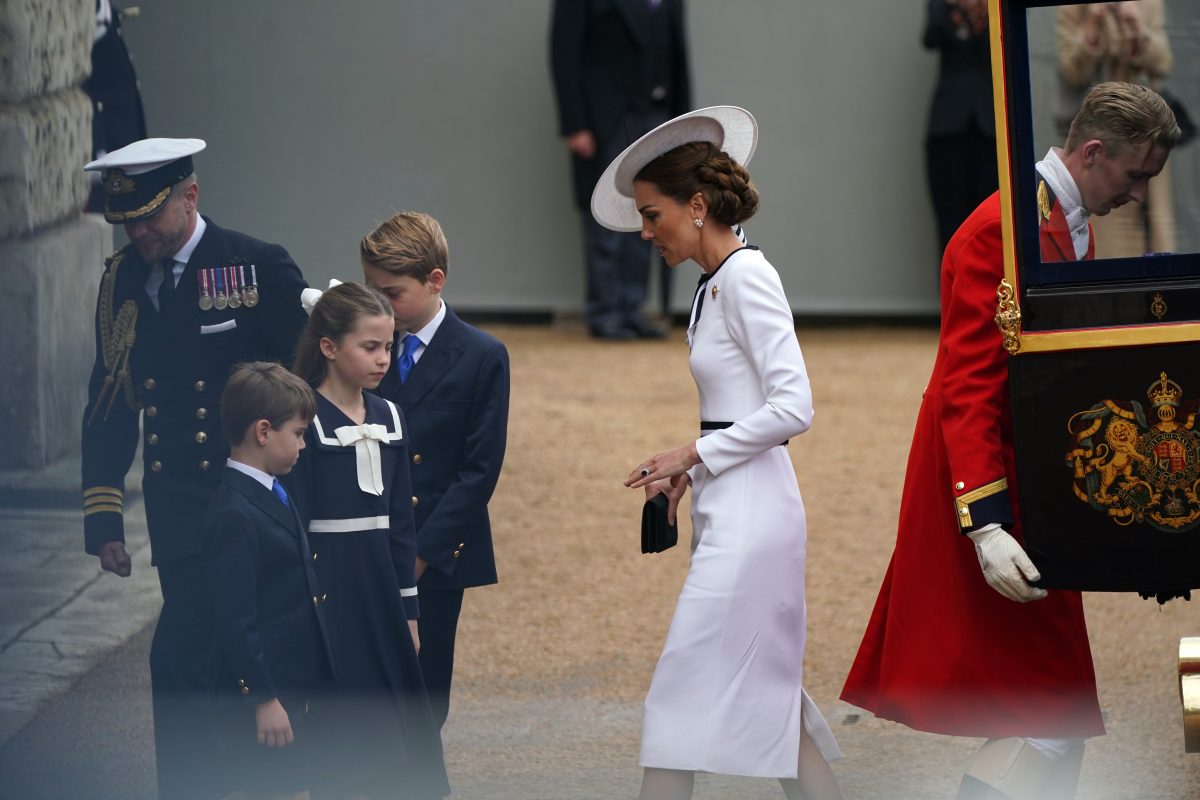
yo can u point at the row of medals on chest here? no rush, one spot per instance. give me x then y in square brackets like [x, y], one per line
[227, 287]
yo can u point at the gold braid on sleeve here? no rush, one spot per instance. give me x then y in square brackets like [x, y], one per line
[117, 334]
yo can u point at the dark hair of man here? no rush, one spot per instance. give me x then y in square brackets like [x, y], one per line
[704, 168]
[263, 390]
[409, 243]
[335, 314]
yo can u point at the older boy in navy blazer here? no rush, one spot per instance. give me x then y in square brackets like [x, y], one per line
[273, 651]
[452, 381]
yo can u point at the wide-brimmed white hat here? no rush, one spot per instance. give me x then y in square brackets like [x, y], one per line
[730, 128]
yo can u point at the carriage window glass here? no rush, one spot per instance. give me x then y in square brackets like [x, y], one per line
[1072, 48]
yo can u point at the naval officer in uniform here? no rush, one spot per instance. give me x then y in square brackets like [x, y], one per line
[178, 306]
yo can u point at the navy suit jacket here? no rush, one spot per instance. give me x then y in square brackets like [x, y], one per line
[455, 402]
[271, 635]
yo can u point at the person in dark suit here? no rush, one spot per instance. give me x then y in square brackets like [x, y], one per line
[451, 381]
[620, 69]
[272, 646]
[178, 306]
[960, 145]
[112, 86]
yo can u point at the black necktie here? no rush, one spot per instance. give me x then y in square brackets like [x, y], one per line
[167, 287]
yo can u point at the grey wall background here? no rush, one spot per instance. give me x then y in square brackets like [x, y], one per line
[324, 118]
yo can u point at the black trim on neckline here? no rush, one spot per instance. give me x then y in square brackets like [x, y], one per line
[698, 298]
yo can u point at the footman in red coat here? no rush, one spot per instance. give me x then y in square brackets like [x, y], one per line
[961, 640]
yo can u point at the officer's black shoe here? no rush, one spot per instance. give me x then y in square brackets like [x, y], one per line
[645, 330]
[612, 332]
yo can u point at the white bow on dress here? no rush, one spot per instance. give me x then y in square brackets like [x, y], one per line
[366, 439]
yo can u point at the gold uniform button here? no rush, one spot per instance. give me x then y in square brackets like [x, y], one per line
[416, 458]
[455, 554]
[204, 465]
[151, 411]
[200, 386]
[245, 691]
[241, 682]
[960, 486]
[416, 500]
[962, 512]
[152, 439]
[156, 466]
[201, 413]
[316, 600]
[201, 437]
[149, 383]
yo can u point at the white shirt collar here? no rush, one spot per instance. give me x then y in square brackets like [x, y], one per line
[425, 334]
[1063, 185]
[258, 475]
[185, 252]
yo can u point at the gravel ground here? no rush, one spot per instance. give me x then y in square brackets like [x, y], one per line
[554, 661]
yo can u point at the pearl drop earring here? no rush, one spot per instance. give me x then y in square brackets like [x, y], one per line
[699, 223]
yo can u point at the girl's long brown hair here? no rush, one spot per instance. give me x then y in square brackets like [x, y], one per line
[335, 314]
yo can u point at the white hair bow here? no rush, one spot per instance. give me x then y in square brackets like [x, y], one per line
[309, 297]
[366, 439]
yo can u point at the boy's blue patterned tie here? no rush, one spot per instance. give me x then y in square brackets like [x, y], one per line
[406, 362]
[277, 488]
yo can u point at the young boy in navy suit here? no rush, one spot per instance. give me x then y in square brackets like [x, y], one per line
[272, 646]
[452, 382]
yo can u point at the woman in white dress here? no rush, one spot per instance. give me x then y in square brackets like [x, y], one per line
[727, 695]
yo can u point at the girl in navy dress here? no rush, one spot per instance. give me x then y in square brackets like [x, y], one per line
[352, 487]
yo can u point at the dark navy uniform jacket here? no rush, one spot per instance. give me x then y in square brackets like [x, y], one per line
[607, 58]
[455, 402]
[170, 368]
[271, 634]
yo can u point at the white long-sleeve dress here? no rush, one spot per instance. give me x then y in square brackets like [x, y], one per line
[727, 695]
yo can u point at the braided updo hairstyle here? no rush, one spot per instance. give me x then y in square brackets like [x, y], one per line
[703, 167]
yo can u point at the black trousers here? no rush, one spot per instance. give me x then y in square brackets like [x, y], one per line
[962, 174]
[618, 264]
[181, 661]
[437, 627]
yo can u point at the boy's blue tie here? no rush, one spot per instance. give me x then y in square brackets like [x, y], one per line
[406, 362]
[277, 488]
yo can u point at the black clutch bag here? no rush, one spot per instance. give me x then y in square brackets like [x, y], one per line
[657, 533]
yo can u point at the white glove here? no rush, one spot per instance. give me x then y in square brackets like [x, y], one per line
[1006, 567]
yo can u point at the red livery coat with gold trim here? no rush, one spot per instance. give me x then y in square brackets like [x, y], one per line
[1054, 237]
[944, 652]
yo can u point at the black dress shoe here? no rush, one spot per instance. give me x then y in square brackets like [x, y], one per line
[612, 333]
[644, 330]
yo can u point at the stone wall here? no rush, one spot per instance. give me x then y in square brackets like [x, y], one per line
[51, 254]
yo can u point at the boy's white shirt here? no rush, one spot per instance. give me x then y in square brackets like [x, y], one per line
[258, 475]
